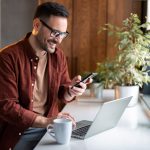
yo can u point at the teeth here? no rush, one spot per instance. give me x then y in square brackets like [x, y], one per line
[51, 43]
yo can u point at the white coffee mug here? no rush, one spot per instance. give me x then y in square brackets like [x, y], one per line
[61, 130]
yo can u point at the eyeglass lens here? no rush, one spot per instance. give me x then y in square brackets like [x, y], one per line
[55, 33]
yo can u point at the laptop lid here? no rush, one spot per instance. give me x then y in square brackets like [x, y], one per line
[108, 116]
[145, 101]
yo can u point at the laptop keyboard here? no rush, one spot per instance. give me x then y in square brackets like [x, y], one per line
[81, 129]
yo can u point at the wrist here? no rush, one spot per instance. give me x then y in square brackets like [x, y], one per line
[41, 122]
[68, 96]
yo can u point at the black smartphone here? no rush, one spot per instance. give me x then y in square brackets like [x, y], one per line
[84, 80]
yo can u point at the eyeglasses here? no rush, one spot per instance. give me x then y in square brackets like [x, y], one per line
[55, 33]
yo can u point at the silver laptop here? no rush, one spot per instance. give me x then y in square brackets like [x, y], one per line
[106, 118]
[145, 101]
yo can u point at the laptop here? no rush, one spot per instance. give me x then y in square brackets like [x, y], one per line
[144, 98]
[107, 117]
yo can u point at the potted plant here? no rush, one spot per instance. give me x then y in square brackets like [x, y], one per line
[95, 89]
[107, 77]
[106, 74]
[129, 67]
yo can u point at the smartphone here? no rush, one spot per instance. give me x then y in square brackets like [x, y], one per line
[84, 80]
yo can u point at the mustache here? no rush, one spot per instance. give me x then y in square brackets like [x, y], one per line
[53, 41]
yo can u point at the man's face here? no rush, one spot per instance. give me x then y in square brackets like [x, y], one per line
[48, 33]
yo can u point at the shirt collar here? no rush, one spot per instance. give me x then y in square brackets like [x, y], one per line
[30, 51]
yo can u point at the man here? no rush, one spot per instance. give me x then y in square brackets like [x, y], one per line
[33, 77]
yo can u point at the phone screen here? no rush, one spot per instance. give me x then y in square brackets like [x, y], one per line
[84, 80]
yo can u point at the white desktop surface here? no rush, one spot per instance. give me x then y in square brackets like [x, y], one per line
[131, 133]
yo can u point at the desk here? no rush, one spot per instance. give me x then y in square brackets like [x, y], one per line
[131, 133]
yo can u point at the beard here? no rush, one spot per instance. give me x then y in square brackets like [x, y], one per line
[51, 45]
[48, 45]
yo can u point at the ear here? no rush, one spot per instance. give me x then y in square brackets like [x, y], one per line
[36, 24]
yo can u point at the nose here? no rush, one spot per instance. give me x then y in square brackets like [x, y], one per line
[58, 39]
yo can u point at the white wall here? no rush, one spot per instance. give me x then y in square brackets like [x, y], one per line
[16, 19]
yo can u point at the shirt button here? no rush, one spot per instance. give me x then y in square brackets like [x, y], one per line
[31, 59]
[32, 84]
[32, 100]
[36, 58]
[35, 67]
[19, 133]
[10, 148]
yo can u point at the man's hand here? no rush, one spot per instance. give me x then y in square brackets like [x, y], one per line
[76, 91]
[67, 116]
[43, 122]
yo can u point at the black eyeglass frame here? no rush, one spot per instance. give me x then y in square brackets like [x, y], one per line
[54, 32]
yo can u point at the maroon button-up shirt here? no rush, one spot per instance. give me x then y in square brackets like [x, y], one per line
[17, 74]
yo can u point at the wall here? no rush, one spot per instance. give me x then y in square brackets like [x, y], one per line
[0, 22]
[148, 13]
[84, 47]
[16, 19]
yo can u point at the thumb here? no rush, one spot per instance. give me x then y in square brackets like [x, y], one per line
[76, 79]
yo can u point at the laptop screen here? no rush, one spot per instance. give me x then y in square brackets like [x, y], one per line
[146, 87]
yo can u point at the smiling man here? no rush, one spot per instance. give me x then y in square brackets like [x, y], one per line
[33, 78]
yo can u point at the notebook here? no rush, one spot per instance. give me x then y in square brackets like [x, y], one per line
[107, 117]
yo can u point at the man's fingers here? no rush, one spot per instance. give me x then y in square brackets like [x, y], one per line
[67, 116]
[89, 81]
[76, 79]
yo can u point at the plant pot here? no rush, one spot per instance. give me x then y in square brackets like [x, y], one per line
[96, 90]
[125, 91]
[108, 94]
